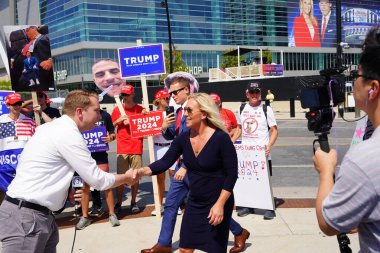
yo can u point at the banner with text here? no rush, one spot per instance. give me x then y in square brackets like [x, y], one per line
[3, 94]
[142, 60]
[94, 140]
[253, 188]
[8, 164]
[149, 124]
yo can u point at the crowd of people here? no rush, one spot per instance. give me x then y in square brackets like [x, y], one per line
[196, 141]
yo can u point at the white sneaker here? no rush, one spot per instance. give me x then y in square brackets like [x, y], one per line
[179, 211]
[154, 213]
[32, 83]
[37, 81]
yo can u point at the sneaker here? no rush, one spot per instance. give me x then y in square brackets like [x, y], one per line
[37, 81]
[135, 208]
[269, 214]
[113, 220]
[243, 212]
[117, 208]
[96, 211]
[77, 212]
[179, 212]
[32, 83]
[153, 213]
[82, 223]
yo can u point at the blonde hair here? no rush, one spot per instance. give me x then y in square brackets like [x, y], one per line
[311, 14]
[77, 99]
[207, 105]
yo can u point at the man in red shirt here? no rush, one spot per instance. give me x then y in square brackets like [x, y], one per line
[228, 118]
[129, 150]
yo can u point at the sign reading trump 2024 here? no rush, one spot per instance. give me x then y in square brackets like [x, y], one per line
[253, 189]
[93, 139]
[148, 124]
[142, 60]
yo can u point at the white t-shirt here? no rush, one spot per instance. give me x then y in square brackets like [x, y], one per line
[254, 126]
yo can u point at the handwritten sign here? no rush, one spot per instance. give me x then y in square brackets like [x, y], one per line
[94, 137]
[149, 124]
[253, 189]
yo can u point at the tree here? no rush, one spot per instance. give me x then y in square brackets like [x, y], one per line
[231, 60]
[178, 63]
[268, 55]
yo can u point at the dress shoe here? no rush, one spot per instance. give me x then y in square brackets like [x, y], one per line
[240, 240]
[158, 249]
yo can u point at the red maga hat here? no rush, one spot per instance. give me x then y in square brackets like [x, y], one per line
[161, 94]
[127, 89]
[216, 98]
[13, 98]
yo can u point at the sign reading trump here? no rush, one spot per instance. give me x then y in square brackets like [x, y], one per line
[146, 124]
[253, 189]
[142, 60]
[94, 141]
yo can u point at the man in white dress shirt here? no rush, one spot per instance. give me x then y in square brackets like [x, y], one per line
[44, 173]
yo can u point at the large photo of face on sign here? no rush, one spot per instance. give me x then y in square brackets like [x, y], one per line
[29, 58]
[107, 77]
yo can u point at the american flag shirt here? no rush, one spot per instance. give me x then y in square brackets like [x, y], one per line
[14, 134]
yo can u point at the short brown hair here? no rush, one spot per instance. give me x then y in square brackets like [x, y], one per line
[182, 81]
[77, 99]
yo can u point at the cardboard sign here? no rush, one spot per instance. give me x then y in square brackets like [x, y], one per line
[149, 124]
[3, 94]
[253, 189]
[142, 60]
[94, 137]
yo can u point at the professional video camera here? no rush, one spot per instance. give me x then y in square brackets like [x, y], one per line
[320, 94]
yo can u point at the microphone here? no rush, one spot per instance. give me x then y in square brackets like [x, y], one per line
[77, 184]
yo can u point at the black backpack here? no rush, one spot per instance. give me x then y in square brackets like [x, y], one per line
[264, 109]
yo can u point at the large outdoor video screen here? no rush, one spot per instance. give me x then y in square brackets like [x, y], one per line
[313, 23]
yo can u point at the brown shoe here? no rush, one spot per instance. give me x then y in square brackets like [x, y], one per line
[240, 240]
[158, 249]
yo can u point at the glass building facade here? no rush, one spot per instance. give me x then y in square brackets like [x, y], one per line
[84, 30]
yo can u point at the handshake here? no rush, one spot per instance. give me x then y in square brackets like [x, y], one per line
[133, 176]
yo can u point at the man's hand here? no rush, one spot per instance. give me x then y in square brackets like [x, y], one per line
[267, 151]
[216, 214]
[47, 64]
[132, 178]
[75, 195]
[325, 162]
[124, 119]
[108, 138]
[37, 108]
[180, 174]
[168, 120]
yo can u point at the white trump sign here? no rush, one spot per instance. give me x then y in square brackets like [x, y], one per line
[253, 188]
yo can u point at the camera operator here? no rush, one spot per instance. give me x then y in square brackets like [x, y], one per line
[352, 204]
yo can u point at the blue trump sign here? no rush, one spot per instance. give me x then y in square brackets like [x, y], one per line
[3, 94]
[142, 60]
[93, 139]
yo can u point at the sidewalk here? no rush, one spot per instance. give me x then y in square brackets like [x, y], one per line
[294, 230]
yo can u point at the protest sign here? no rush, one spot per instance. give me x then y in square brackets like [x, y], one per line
[142, 60]
[3, 94]
[94, 137]
[253, 189]
[149, 124]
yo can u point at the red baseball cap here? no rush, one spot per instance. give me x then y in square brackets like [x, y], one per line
[42, 92]
[13, 98]
[127, 89]
[161, 94]
[216, 98]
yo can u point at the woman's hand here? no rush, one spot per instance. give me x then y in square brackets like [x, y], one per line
[180, 174]
[144, 171]
[216, 214]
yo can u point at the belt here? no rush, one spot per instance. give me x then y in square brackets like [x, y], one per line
[162, 144]
[26, 204]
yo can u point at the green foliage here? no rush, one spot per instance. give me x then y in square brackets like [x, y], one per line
[229, 61]
[268, 55]
[5, 85]
[178, 63]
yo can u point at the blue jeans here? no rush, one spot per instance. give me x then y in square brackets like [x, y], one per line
[177, 192]
[235, 228]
